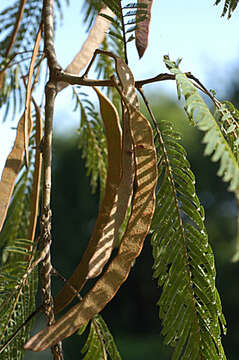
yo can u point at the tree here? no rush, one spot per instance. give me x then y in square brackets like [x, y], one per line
[146, 187]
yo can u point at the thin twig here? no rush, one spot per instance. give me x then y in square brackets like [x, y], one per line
[19, 329]
[203, 89]
[29, 92]
[149, 109]
[83, 81]
[16, 26]
[62, 278]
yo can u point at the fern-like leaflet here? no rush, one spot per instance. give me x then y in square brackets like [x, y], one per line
[216, 143]
[17, 291]
[221, 132]
[16, 51]
[15, 55]
[92, 142]
[227, 117]
[190, 307]
[229, 7]
[122, 21]
[100, 342]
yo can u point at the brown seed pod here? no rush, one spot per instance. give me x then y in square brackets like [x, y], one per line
[142, 210]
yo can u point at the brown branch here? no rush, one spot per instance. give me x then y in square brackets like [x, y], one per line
[83, 81]
[45, 234]
[46, 214]
[49, 48]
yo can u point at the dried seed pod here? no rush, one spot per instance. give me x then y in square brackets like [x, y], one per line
[143, 205]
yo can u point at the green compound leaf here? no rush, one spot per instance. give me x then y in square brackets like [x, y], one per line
[100, 342]
[189, 306]
[229, 7]
[216, 143]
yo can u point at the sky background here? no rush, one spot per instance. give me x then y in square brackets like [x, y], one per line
[188, 29]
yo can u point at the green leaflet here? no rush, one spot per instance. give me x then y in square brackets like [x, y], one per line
[229, 7]
[93, 144]
[235, 257]
[216, 144]
[26, 35]
[221, 133]
[100, 342]
[189, 305]
[17, 300]
[227, 117]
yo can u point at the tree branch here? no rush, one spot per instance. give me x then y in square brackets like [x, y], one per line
[81, 80]
[45, 235]
[48, 20]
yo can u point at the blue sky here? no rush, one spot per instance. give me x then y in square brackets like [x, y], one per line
[193, 30]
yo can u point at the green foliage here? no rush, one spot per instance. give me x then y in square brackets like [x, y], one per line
[131, 9]
[92, 142]
[227, 116]
[16, 61]
[190, 307]
[91, 9]
[28, 27]
[16, 224]
[214, 139]
[17, 303]
[122, 27]
[11, 87]
[17, 292]
[100, 342]
[229, 7]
